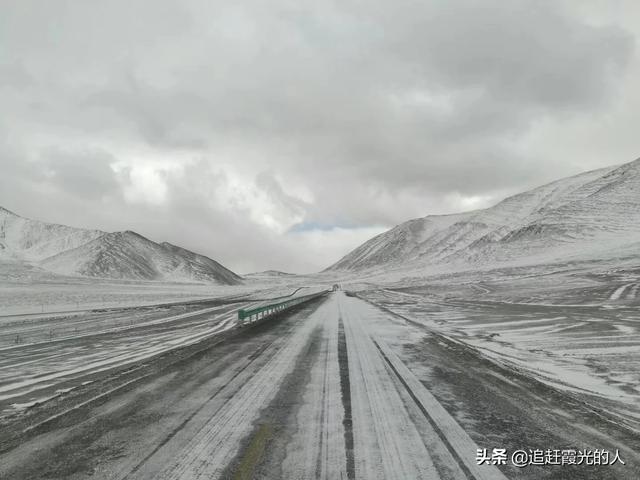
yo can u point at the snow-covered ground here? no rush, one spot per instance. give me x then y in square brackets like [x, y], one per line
[81, 295]
[43, 355]
[338, 389]
[53, 356]
[576, 332]
[41, 292]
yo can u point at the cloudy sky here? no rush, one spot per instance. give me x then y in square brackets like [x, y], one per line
[281, 134]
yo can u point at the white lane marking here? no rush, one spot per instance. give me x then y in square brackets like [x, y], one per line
[459, 440]
[619, 291]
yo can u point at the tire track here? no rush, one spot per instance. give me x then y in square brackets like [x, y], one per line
[387, 443]
[345, 387]
[213, 437]
[190, 417]
[317, 449]
[306, 453]
[447, 440]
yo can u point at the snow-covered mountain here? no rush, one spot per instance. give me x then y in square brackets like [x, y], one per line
[32, 240]
[270, 273]
[398, 243]
[596, 211]
[94, 253]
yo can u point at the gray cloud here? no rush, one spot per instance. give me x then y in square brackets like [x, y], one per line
[523, 52]
[86, 174]
[222, 126]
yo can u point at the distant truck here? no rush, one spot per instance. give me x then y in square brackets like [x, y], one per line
[335, 288]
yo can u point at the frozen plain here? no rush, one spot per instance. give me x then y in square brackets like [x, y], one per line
[386, 383]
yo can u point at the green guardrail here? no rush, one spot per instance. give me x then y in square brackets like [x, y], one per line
[266, 310]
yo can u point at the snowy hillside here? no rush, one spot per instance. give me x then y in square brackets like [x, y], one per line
[269, 273]
[398, 243]
[192, 265]
[592, 212]
[22, 238]
[93, 253]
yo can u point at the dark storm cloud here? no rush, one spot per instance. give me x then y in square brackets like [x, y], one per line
[262, 116]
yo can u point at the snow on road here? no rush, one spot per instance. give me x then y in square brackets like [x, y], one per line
[387, 443]
[356, 418]
[27, 370]
[318, 447]
[339, 389]
[378, 440]
[218, 437]
[391, 446]
[618, 292]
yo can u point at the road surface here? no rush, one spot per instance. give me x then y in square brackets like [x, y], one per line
[338, 389]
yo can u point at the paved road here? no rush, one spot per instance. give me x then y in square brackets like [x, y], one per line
[320, 393]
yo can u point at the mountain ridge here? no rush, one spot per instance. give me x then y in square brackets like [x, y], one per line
[94, 253]
[584, 211]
